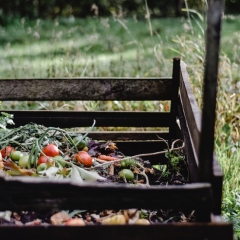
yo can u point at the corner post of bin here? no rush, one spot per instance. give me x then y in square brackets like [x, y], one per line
[206, 145]
[174, 99]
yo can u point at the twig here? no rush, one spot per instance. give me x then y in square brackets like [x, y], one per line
[99, 160]
[140, 165]
[163, 140]
[145, 175]
[145, 154]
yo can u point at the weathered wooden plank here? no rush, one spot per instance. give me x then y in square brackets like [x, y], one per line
[196, 231]
[214, 17]
[68, 119]
[174, 98]
[28, 193]
[86, 89]
[217, 182]
[191, 110]
[192, 163]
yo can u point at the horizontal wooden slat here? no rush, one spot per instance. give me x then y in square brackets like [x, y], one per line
[127, 135]
[183, 231]
[29, 193]
[191, 110]
[86, 89]
[68, 119]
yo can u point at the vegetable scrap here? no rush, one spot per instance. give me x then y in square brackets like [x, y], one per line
[104, 217]
[37, 151]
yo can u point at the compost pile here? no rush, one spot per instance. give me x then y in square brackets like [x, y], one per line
[36, 151]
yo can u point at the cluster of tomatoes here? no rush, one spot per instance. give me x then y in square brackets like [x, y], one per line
[52, 153]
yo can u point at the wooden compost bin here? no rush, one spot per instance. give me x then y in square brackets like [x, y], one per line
[203, 194]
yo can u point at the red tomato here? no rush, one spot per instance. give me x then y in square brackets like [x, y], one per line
[43, 159]
[84, 158]
[9, 149]
[51, 150]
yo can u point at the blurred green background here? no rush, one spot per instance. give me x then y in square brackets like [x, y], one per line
[51, 9]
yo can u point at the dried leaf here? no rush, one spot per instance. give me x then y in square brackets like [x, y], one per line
[17, 170]
[111, 170]
[133, 215]
[64, 172]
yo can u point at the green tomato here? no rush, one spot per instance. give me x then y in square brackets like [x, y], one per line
[41, 167]
[83, 143]
[128, 163]
[127, 173]
[59, 159]
[123, 164]
[23, 161]
[16, 155]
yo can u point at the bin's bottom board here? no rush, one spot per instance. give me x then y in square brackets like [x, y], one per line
[198, 231]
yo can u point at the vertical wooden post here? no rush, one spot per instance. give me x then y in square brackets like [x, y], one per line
[206, 147]
[174, 98]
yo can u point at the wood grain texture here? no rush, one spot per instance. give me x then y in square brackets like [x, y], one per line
[214, 17]
[86, 89]
[217, 182]
[68, 119]
[174, 98]
[191, 110]
[196, 231]
[192, 163]
[45, 194]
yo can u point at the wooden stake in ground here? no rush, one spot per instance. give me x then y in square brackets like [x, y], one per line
[214, 16]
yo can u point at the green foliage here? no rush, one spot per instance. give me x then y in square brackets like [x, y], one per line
[228, 157]
[6, 119]
[61, 8]
[174, 158]
[165, 171]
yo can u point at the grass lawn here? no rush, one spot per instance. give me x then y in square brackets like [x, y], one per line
[129, 48]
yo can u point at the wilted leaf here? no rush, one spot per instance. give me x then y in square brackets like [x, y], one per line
[50, 172]
[75, 175]
[76, 212]
[17, 170]
[89, 175]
